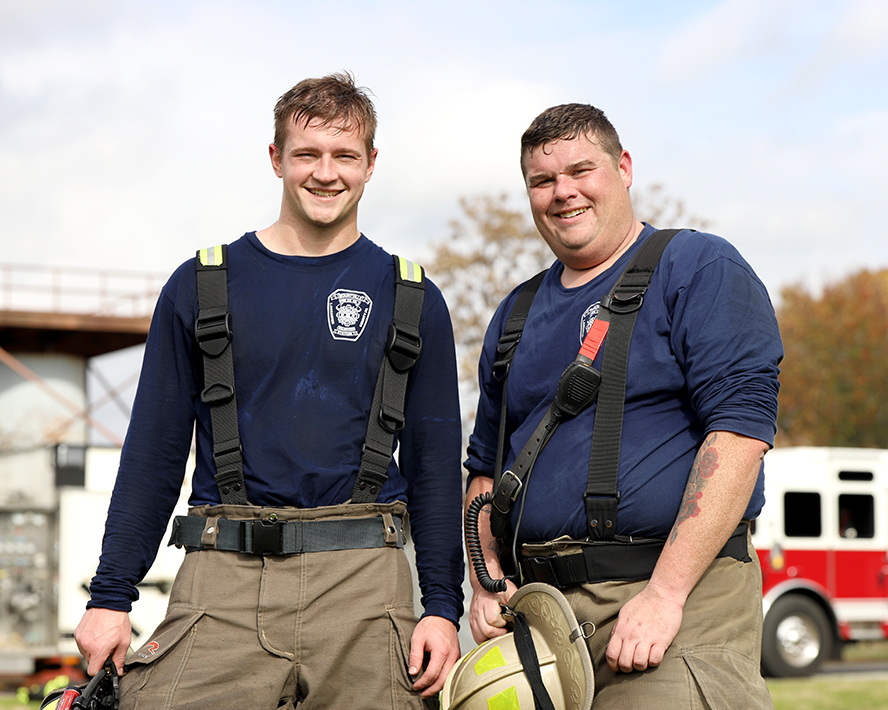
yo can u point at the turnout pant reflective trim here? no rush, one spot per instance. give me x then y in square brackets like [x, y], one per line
[714, 661]
[322, 629]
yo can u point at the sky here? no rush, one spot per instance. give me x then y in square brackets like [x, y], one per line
[134, 132]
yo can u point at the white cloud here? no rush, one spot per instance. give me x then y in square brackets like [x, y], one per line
[862, 30]
[125, 125]
[732, 30]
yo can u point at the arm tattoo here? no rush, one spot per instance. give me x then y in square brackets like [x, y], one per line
[705, 464]
[493, 546]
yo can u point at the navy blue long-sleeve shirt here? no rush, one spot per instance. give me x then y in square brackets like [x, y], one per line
[704, 357]
[309, 337]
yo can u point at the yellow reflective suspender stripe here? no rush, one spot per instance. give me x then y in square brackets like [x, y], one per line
[211, 256]
[410, 271]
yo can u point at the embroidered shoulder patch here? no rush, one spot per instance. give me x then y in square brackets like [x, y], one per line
[348, 313]
[587, 319]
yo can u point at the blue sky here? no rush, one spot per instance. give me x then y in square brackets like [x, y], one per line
[141, 128]
[133, 133]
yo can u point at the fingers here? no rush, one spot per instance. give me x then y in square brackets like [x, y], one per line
[119, 658]
[432, 680]
[485, 619]
[102, 633]
[627, 654]
[485, 613]
[624, 657]
[435, 642]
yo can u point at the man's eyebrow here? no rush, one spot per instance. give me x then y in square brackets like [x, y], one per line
[585, 163]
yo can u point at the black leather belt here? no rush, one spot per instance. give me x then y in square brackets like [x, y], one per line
[614, 561]
[285, 537]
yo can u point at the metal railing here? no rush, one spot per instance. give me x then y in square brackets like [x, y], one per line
[73, 289]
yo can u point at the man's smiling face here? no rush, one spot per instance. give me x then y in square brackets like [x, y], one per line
[579, 197]
[324, 169]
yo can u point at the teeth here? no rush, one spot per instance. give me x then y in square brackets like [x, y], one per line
[324, 193]
[572, 213]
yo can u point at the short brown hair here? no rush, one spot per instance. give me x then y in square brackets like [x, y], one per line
[568, 121]
[332, 99]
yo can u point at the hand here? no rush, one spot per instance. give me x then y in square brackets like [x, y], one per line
[436, 636]
[102, 633]
[645, 628]
[485, 613]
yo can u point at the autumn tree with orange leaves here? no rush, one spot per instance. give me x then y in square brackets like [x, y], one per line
[834, 376]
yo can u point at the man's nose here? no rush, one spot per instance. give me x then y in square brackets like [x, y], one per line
[325, 169]
[564, 188]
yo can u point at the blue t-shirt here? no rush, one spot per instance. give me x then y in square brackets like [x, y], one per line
[309, 337]
[704, 357]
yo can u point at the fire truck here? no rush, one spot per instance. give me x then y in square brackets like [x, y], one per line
[822, 540]
[53, 505]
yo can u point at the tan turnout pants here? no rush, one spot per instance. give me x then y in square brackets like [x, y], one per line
[714, 662]
[246, 632]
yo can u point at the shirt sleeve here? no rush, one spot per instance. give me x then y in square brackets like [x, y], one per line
[481, 452]
[429, 457]
[726, 337]
[152, 462]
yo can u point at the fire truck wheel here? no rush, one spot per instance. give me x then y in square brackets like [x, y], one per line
[796, 637]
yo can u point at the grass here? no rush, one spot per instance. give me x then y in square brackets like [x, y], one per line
[828, 694]
[866, 651]
[10, 703]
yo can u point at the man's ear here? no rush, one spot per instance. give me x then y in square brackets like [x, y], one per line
[275, 154]
[371, 164]
[625, 166]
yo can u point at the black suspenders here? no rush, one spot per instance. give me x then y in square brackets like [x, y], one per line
[620, 308]
[212, 332]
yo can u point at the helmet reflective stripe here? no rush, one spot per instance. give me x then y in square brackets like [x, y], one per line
[211, 256]
[410, 271]
[507, 700]
[492, 676]
[492, 659]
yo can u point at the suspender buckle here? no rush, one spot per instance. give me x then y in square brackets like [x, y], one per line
[392, 420]
[403, 346]
[506, 350]
[212, 330]
[622, 303]
[506, 492]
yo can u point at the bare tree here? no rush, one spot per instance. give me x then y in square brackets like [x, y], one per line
[494, 247]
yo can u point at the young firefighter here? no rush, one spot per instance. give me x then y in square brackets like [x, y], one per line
[301, 595]
[681, 627]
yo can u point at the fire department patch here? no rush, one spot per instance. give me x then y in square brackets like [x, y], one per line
[587, 319]
[348, 313]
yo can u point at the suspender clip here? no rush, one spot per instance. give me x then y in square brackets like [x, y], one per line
[212, 330]
[403, 346]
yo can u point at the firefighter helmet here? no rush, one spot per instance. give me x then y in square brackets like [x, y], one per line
[102, 692]
[501, 673]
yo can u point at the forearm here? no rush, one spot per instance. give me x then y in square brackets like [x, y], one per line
[488, 544]
[717, 493]
[719, 487]
[485, 618]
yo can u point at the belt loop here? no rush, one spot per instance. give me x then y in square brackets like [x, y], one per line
[210, 532]
[389, 531]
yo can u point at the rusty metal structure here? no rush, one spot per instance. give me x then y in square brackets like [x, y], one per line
[53, 484]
